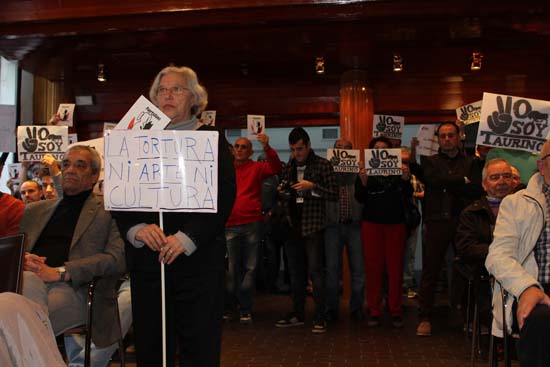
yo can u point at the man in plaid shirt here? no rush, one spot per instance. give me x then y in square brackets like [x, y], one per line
[306, 183]
[519, 259]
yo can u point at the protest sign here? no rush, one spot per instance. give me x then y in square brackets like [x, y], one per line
[255, 125]
[344, 160]
[65, 112]
[208, 118]
[427, 141]
[14, 171]
[73, 138]
[383, 162]
[33, 142]
[143, 115]
[388, 126]
[470, 113]
[513, 122]
[161, 171]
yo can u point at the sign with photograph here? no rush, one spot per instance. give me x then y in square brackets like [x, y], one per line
[255, 125]
[33, 142]
[158, 170]
[14, 171]
[470, 113]
[513, 122]
[427, 141]
[208, 118]
[388, 126]
[344, 160]
[143, 115]
[65, 112]
[383, 162]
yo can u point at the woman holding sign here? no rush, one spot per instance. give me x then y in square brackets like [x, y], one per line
[384, 234]
[191, 245]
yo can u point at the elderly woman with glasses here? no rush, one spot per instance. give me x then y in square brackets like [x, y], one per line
[192, 245]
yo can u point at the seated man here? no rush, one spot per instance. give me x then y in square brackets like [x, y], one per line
[30, 192]
[71, 241]
[519, 259]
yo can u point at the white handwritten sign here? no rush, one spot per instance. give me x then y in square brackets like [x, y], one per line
[470, 113]
[208, 118]
[165, 170]
[33, 142]
[255, 125]
[344, 160]
[427, 141]
[388, 126]
[513, 122]
[383, 162]
[143, 115]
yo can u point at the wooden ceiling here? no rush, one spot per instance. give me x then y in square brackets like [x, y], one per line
[258, 56]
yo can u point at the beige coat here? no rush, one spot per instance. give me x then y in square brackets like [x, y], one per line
[511, 258]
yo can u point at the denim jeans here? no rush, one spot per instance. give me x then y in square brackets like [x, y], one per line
[336, 237]
[306, 257]
[100, 357]
[242, 251]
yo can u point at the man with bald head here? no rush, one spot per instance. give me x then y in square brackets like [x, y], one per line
[519, 259]
[30, 192]
[243, 228]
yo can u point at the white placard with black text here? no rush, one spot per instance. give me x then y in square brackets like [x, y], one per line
[383, 162]
[344, 160]
[33, 142]
[143, 115]
[513, 122]
[388, 126]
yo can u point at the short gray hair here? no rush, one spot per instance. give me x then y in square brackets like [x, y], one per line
[201, 96]
[490, 163]
[95, 162]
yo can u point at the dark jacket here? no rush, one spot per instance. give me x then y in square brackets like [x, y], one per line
[206, 230]
[383, 198]
[320, 172]
[474, 233]
[447, 192]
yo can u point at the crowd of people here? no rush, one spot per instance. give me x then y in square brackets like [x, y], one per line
[473, 205]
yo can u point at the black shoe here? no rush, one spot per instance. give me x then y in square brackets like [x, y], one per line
[319, 327]
[290, 320]
[357, 315]
[374, 321]
[397, 322]
[245, 318]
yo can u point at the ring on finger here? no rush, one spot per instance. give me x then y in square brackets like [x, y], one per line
[169, 252]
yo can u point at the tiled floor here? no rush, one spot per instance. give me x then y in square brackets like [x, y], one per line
[346, 344]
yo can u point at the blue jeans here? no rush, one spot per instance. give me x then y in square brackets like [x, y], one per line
[336, 237]
[100, 357]
[242, 250]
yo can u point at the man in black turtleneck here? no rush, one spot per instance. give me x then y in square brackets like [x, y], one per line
[69, 242]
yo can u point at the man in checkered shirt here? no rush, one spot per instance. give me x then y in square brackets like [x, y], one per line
[519, 259]
[306, 183]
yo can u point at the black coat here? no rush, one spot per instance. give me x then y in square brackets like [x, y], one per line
[474, 233]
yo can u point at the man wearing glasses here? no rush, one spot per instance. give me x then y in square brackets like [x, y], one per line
[449, 189]
[519, 259]
[243, 228]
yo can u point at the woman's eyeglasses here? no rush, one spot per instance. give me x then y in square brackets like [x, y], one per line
[175, 91]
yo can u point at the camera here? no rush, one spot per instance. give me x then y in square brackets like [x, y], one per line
[285, 189]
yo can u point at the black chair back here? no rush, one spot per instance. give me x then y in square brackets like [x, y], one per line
[12, 249]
